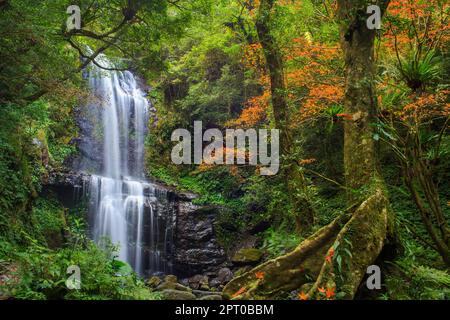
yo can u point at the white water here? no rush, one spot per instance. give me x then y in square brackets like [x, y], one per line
[117, 192]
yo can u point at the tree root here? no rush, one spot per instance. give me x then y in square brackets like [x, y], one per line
[332, 262]
[287, 272]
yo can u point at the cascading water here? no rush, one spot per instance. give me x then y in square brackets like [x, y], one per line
[123, 206]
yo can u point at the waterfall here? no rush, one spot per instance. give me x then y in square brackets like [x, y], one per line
[123, 206]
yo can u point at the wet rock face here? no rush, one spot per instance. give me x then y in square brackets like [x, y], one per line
[68, 185]
[68, 179]
[191, 245]
[196, 247]
[89, 146]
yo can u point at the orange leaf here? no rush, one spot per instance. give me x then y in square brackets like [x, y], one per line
[321, 289]
[307, 161]
[330, 255]
[239, 292]
[330, 293]
[345, 116]
[260, 275]
[302, 296]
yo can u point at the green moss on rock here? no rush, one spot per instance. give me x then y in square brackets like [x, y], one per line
[247, 256]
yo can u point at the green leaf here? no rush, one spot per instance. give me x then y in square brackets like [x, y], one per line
[339, 262]
[348, 252]
[121, 268]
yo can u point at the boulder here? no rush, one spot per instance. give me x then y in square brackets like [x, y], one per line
[211, 297]
[214, 283]
[172, 286]
[153, 282]
[170, 278]
[200, 293]
[185, 282]
[170, 294]
[198, 281]
[204, 283]
[224, 275]
[247, 256]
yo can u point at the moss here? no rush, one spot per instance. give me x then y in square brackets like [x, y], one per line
[247, 256]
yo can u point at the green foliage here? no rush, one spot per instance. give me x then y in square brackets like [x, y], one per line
[48, 220]
[25, 155]
[211, 190]
[279, 242]
[421, 71]
[40, 272]
[43, 57]
[16, 155]
[49, 62]
[408, 281]
[341, 259]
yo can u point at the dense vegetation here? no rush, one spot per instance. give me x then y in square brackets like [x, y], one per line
[363, 116]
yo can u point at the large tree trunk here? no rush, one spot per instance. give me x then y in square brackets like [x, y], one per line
[322, 264]
[357, 43]
[295, 179]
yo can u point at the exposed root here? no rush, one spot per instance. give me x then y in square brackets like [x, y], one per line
[364, 237]
[313, 263]
[287, 272]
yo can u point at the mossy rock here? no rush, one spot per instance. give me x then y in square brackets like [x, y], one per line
[170, 278]
[178, 295]
[172, 286]
[247, 256]
[153, 282]
[211, 297]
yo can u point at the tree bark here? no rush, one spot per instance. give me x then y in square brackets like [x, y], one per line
[357, 43]
[295, 180]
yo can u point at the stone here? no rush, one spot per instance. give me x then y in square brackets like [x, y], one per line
[182, 288]
[153, 282]
[224, 275]
[214, 283]
[197, 281]
[170, 278]
[196, 247]
[170, 294]
[204, 287]
[201, 293]
[211, 297]
[172, 286]
[204, 283]
[247, 256]
[185, 282]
